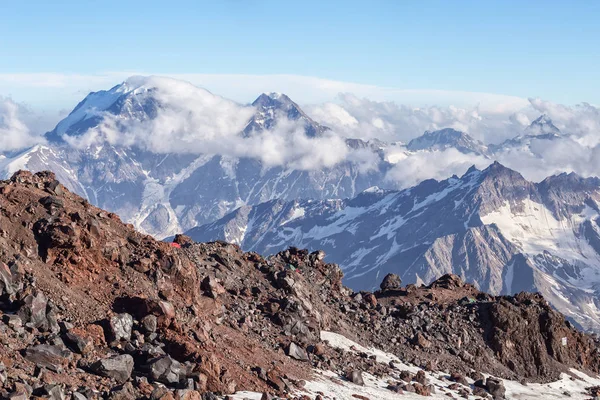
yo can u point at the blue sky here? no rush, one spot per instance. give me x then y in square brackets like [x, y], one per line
[546, 49]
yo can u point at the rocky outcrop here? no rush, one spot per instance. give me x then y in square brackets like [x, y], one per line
[94, 308]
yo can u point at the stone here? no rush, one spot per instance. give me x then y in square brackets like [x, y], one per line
[166, 370]
[121, 326]
[496, 388]
[118, 368]
[296, 352]
[150, 323]
[48, 356]
[33, 311]
[123, 392]
[390, 282]
[212, 287]
[79, 344]
[355, 376]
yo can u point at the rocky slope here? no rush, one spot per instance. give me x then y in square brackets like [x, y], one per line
[91, 308]
[492, 227]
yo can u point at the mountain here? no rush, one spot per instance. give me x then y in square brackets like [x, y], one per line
[447, 138]
[91, 308]
[542, 129]
[491, 227]
[270, 107]
[163, 193]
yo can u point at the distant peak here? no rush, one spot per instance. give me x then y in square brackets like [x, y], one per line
[543, 125]
[273, 99]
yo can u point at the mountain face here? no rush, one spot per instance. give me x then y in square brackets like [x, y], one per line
[91, 308]
[492, 227]
[447, 138]
[166, 193]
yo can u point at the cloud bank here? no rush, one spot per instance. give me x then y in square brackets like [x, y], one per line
[193, 120]
[15, 123]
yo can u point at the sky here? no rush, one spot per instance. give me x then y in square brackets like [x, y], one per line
[422, 52]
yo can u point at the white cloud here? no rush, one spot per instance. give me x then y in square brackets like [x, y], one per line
[47, 89]
[193, 120]
[14, 131]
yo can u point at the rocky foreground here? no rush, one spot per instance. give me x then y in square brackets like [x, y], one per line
[90, 308]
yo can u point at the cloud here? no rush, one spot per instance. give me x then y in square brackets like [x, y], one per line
[49, 89]
[193, 120]
[15, 133]
[390, 121]
[412, 168]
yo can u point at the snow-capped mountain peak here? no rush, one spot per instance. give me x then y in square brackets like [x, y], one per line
[447, 138]
[270, 107]
[542, 126]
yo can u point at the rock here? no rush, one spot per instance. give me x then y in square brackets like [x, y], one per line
[33, 311]
[79, 344]
[150, 323]
[496, 388]
[297, 352]
[421, 378]
[48, 356]
[118, 368]
[166, 370]
[459, 378]
[9, 283]
[355, 376]
[123, 392]
[121, 326]
[391, 282]
[211, 287]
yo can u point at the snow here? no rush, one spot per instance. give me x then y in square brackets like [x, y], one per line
[536, 230]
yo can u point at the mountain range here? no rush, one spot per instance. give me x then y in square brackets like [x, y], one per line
[491, 226]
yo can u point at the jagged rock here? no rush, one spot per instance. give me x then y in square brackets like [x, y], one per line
[123, 392]
[355, 376]
[149, 323]
[9, 282]
[297, 352]
[33, 311]
[48, 356]
[118, 368]
[121, 326]
[79, 344]
[496, 388]
[212, 287]
[391, 282]
[166, 370]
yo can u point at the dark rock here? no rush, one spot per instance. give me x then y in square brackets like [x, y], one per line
[496, 388]
[118, 368]
[78, 343]
[33, 311]
[297, 352]
[150, 323]
[48, 356]
[166, 370]
[391, 282]
[355, 376]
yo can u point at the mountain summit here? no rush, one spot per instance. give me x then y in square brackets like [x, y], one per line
[543, 126]
[447, 138]
[272, 106]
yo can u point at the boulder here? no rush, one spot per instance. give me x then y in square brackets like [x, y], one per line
[297, 352]
[355, 376]
[121, 326]
[166, 370]
[48, 356]
[390, 282]
[118, 368]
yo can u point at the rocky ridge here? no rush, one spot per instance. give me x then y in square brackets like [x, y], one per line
[91, 308]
